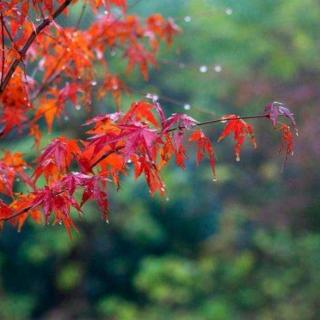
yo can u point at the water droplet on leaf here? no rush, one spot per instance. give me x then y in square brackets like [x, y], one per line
[228, 11]
[187, 106]
[187, 19]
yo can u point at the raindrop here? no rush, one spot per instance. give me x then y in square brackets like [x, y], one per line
[187, 106]
[162, 189]
[106, 12]
[93, 83]
[167, 199]
[297, 132]
[38, 19]
[115, 87]
[214, 179]
[66, 118]
[203, 69]
[238, 158]
[107, 221]
[18, 179]
[217, 68]
[228, 11]
[60, 223]
[152, 97]
[78, 107]
[129, 161]
[187, 19]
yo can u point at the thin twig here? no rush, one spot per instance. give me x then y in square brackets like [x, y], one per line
[205, 123]
[83, 9]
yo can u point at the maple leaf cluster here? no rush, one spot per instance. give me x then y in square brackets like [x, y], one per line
[70, 172]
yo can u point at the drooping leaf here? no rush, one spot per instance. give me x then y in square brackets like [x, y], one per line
[240, 130]
[204, 145]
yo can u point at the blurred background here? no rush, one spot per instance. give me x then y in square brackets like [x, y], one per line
[244, 247]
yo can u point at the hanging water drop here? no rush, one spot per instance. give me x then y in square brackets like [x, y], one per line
[297, 132]
[106, 12]
[93, 83]
[167, 199]
[203, 69]
[187, 106]
[162, 189]
[187, 19]
[66, 118]
[238, 158]
[228, 11]
[78, 107]
[214, 179]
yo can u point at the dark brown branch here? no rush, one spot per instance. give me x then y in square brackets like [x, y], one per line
[2, 48]
[29, 42]
[19, 213]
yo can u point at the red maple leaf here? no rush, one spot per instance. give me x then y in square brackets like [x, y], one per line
[240, 130]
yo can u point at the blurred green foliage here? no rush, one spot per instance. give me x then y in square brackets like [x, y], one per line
[245, 247]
